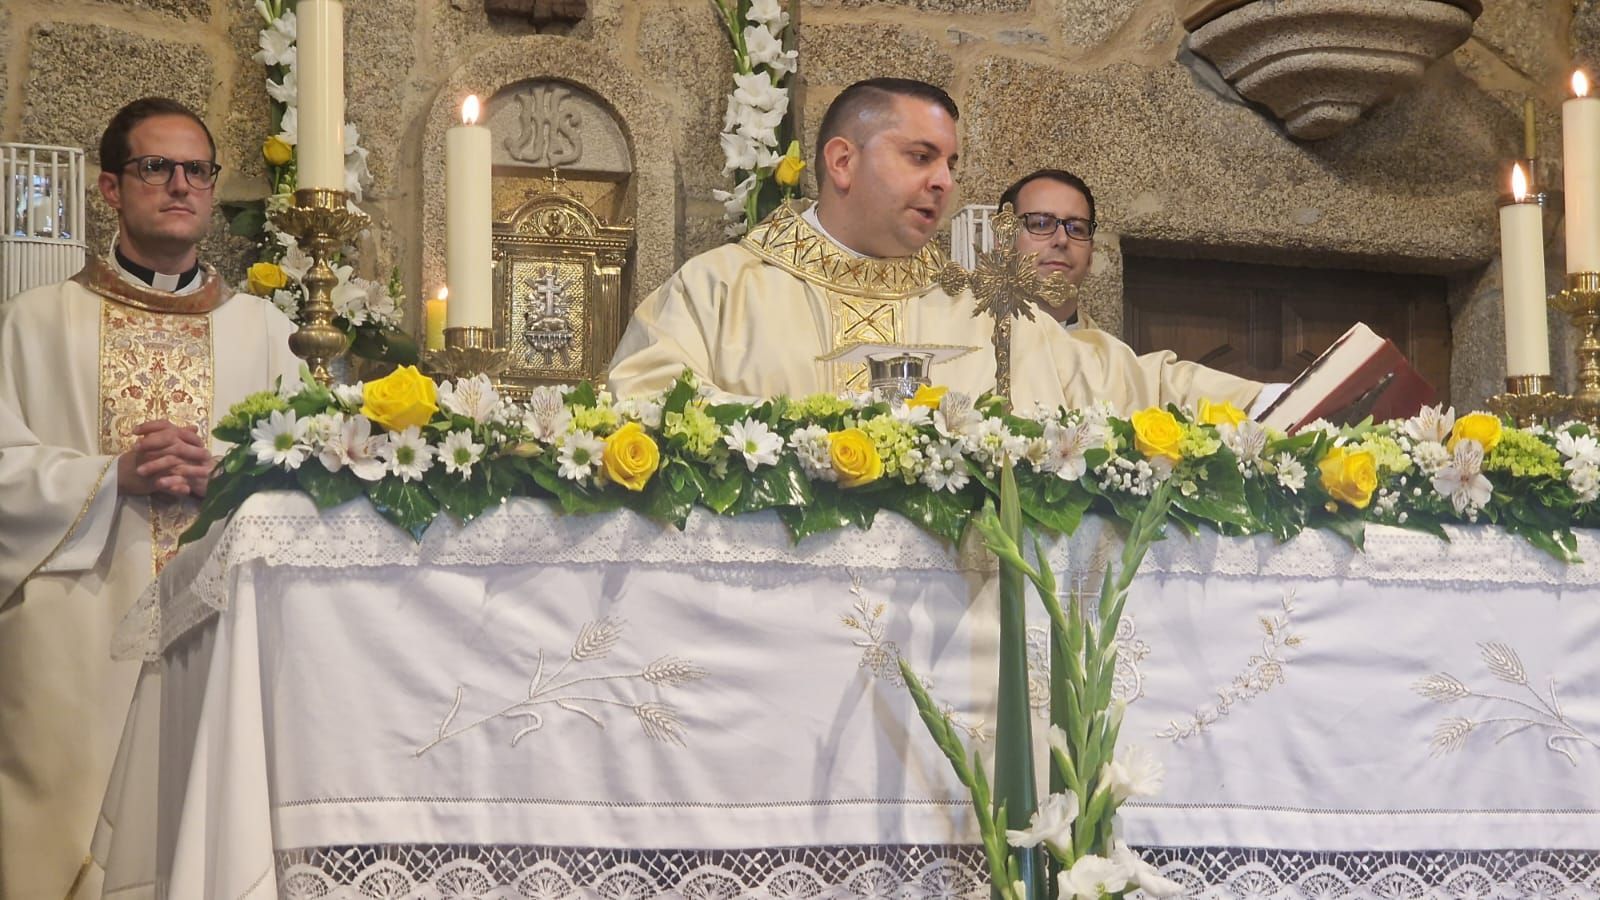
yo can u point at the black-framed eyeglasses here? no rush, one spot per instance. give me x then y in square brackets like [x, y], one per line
[1044, 225]
[157, 170]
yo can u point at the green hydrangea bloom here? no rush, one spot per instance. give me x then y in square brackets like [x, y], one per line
[252, 409]
[816, 406]
[1197, 442]
[1387, 454]
[1523, 455]
[598, 419]
[897, 444]
[695, 431]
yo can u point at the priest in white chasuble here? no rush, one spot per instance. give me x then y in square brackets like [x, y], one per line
[110, 384]
[752, 318]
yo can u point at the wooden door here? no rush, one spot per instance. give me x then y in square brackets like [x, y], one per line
[1268, 323]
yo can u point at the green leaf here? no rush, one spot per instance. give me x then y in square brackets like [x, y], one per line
[225, 494]
[942, 513]
[247, 219]
[829, 509]
[1348, 527]
[722, 494]
[1056, 505]
[328, 489]
[783, 484]
[463, 499]
[575, 499]
[582, 395]
[668, 499]
[405, 503]
[679, 396]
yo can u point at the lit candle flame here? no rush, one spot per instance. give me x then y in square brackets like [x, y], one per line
[1519, 183]
[444, 292]
[469, 111]
[1580, 84]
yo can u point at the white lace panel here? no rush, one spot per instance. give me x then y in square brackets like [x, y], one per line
[392, 872]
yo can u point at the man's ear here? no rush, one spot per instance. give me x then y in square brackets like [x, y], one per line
[110, 189]
[838, 162]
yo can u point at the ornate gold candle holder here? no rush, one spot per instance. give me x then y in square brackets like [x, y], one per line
[1528, 400]
[467, 351]
[322, 222]
[1581, 302]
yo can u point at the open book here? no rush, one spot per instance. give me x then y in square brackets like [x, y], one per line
[1361, 373]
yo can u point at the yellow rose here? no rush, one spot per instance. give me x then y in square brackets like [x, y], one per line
[276, 151]
[1219, 413]
[790, 166]
[1480, 427]
[630, 457]
[265, 277]
[855, 458]
[1348, 476]
[1156, 432]
[401, 399]
[928, 396]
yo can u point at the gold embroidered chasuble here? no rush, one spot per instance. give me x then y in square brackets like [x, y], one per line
[752, 318]
[81, 364]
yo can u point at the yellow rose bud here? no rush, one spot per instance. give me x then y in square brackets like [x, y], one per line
[1219, 413]
[401, 399]
[928, 396]
[855, 458]
[1349, 477]
[788, 172]
[277, 151]
[1156, 432]
[265, 277]
[630, 457]
[1480, 427]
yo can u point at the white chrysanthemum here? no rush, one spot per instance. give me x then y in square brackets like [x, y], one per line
[1091, 878]
[287, 302]
[758, 444]
[357, 447]
[644, 410]
[350, 396]
[1463, 482]
[1431, 423]
[1585, 482]
[944, 468]
[1133, 772]
[811, 446]
[459, 453]
[1430, 456]
[1581, 449]
[580, 455]
[322, 427]
[547, 416]
[1051, 823]
[279, 440]
[1291, 472]
[407, 454]
[474, 398]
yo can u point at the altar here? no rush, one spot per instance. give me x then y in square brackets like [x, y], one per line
[539, 705]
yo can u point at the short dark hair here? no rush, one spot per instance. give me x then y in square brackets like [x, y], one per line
[115, 149]
[1061, 175]
[875, 96]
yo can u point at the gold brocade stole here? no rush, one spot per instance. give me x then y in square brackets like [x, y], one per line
[154, 365]
[866, 296]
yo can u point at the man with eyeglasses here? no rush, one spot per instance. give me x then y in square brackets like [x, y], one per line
[110, 383]
[1056, 209]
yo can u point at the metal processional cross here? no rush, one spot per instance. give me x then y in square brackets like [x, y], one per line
[1006, 285]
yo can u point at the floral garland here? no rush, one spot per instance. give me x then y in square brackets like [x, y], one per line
[367, 311]
[417, 449]
[758, 113]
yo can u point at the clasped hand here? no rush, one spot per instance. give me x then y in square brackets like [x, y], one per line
[166, 459]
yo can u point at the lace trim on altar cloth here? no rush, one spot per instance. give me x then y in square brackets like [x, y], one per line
[285, 529]
[392, 872]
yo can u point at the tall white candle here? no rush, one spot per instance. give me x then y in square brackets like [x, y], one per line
[1522, 281]
[468, 229]
[320, 153]
[1580, 151]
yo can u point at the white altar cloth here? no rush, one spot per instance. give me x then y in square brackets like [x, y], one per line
[538, 681]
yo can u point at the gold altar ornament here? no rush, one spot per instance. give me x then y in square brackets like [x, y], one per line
[1581, 302]
[467, 352]
[322, 221]
[1006, 284]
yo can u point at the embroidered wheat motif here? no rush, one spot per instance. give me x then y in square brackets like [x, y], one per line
[1543, 713]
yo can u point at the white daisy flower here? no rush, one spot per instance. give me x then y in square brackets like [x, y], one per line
[459, 454]
[1291, 473]
[810, 444]
[280, 440]
[580, 455]
[758, 444]
[407, 454]
[351, 396]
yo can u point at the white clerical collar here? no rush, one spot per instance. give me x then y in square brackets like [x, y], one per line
[810, 215]
[190, 281]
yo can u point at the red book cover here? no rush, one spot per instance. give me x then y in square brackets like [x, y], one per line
[1360, 373]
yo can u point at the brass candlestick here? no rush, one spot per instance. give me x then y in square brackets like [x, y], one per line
[1528, 400]
[1581, 302]
[467, 351]
[322, 221]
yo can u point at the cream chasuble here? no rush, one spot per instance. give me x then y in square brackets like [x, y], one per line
[81, 364]
[751, 319]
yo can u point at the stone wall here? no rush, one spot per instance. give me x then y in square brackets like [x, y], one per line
[1098, 86]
